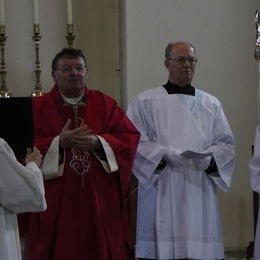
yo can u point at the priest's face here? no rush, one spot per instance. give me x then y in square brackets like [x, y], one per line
[181, 63]
[70, 76]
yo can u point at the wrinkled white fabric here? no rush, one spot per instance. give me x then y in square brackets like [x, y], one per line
[178, 215]
[254, 167]
[21, 190]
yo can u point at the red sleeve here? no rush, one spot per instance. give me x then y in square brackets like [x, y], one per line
[123, 138]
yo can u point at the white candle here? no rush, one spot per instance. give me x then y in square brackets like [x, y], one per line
[69, 12]
[2, 12]
[35, 12]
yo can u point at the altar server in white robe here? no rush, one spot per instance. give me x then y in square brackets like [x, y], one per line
[185, 154]
[254, 167]
[21, 190]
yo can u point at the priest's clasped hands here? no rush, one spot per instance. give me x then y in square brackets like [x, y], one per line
[80, 138]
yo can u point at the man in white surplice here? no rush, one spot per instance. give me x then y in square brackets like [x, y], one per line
[21, 190]
[254, 167]
[185, 154]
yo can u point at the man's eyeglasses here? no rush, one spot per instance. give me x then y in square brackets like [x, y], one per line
[182, 60]
[66, 68]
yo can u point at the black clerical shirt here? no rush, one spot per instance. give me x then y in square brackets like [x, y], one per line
[172, 88]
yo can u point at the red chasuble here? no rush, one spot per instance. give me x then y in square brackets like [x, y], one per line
[86, 216]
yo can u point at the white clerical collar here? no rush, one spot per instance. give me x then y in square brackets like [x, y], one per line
[72, 101]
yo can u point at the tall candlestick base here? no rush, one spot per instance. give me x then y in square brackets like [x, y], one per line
[257, 42]
[4, 94]
[70, 35]
[3, 88]
[36, 38]
[257, 57]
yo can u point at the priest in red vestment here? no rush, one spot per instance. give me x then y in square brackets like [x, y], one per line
[89, 146]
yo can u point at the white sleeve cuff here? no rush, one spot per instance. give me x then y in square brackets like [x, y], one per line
[51, 168]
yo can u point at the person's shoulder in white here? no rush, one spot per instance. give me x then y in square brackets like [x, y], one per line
[202, 94]
[21, 187]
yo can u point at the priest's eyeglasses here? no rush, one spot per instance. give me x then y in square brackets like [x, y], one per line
[67, 68]
[182, 60]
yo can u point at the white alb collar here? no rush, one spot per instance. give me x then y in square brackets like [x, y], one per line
[72, 101]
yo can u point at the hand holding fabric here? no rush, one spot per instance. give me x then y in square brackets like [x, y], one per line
[202, 164]
[34, 156]
[200, 160]
[174, 157]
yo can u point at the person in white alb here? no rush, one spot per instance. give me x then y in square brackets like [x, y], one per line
[186, 152]
[254, 167]
[21, 190]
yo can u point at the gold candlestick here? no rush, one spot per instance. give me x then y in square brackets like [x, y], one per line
[36, 38]
[70, 35]
[3, 89]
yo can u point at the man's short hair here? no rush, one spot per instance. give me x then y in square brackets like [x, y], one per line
[70, 53]
[169, 47]
[168, 50]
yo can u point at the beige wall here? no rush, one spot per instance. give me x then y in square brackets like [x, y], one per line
[96, 24]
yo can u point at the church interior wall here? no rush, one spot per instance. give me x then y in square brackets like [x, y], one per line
[124, 43]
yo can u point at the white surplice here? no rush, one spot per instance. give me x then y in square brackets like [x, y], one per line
[21, 190]
[254, 167]
[178, 214]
